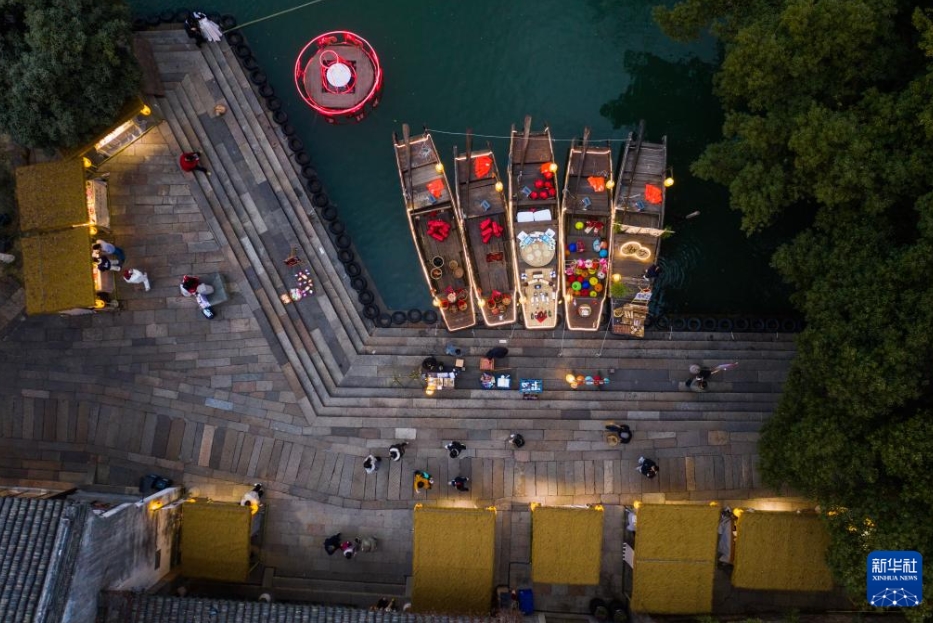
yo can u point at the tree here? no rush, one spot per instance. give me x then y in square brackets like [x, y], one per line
[828, 115]
[67, 69]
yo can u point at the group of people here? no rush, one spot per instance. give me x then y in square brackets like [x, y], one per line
[699, 381]
[201, 28]
[422, 480]
[107, 256]
[349, 547]
[622, 434]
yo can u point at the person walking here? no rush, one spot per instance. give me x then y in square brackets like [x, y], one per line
[253, 498]
[192, 286]
[452, 350]
[497, 352]
[102, 246]
[371, 464]
[516, 440]
[332, 544]
[700, 373]
[647, 467]
[136, 276]
[459, 483]
[191, 161]
[348, 549]
[422, 481]
[454, 449]
[618, 433]
[366, 544]
[397, 451]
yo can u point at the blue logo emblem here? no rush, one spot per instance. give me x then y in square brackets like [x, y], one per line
[895, 579]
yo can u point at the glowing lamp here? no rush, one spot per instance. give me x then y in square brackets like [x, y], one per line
[86, 162]
[738, 512]
[480, 301]
[553, 167]
[499, 186]
[570, 378]
[429, 390]
[610, 184]
[435, 303]
[574, 385]
[92, 230]
[616, 277]
[439, 167]
[145, 111]
[155, 505]
[99, 304]
[521, 300]
[637, 504]
[668, 181]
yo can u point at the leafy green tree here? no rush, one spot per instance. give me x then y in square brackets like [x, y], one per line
[828, 109]
[66, 68]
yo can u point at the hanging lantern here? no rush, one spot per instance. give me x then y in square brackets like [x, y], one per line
[439, 167]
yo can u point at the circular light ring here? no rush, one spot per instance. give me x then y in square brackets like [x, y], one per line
[320, 43]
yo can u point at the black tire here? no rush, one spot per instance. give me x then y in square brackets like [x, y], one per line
[345, 256]
[315, 186]
[414, 316]
[274, 103]
[280, 117]
[358, 283]
[329, 213]
[772, 325]
[227, 22]
[249, 64]
[384, 321]
[140, 24]
[294, 143]
[214, 17]
[289, 130]
[320, 200]
[233, 38]
[709, 324]
[336, 228]
[758, 325]
[597, 604]
[724, 325]
[399, 317]
[788, 325]
[366, 297]
[152, 21]
[801, 325]
[618, 613]
[242, 51]
[429, 317]
[694, 324]
[302, 158]
[181, 15]
[679, 324]
[167, 16]
[741, 324]
[352, 269]
[371, 312]
[266, 90]
[309, 173]
[663, 323]
[343, 241]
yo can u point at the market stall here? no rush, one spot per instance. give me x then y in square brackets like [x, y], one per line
[218, 539]
[566, 544]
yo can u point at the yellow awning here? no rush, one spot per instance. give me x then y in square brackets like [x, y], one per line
[51, 195]
[566, 545]
[57, 271]
[215, 541]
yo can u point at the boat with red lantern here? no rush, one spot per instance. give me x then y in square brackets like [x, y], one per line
[638, 222]
[534, 198]
[586, 213]
[436, 228]
[488, 227]
[338, 75]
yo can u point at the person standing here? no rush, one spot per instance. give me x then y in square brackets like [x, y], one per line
[348, 549]
[618, 433]
[253, 498]
[459, 483]
[366, 544]
[332, 544]
[516, 440]
[193, 29]
[454, 449]
[452, 350]
[136, 276]
[105, 263]
[647, 467]
[191, 161]
[397, 451]
[102, 246]
[191, 286]
[422, 481]
[371, 464]
[497, 352]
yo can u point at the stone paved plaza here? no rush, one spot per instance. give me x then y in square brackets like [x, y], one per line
[294, 396]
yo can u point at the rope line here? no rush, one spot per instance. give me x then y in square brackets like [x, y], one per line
[506, 138]
[262, 19]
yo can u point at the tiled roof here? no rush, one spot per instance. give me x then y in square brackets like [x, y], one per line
[39, 540]
[131, 608]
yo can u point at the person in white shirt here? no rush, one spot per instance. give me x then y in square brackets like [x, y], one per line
[134, 276]
[371, 463]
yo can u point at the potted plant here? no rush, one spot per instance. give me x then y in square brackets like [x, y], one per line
[618, 290]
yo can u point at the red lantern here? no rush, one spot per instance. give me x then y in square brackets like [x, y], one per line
[548, 175]
[539, 183]
[551, 192]
[549, 184]
[534, 194]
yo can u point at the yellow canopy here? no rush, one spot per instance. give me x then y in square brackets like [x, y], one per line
[453, 561]
[675, 558]
[566, 545]
[51, 195]
[781, 552]
[215, 541]
[57, 271]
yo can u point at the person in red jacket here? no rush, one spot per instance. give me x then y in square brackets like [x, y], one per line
[191, 161]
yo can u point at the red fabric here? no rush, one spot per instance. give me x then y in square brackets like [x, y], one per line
[545, 169]
[652, 193]
[482, 166]
[439, 230]
[597, 183]
[189, 161]
[436, 188]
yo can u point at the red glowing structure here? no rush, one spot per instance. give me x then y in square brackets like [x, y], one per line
[338, 74]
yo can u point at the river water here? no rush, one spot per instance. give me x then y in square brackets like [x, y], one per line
[485, 64]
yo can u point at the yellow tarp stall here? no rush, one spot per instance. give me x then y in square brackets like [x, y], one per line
[566, 545]
[675, 559]
[215, 541]
[51, 195]
[454, 560]
[57, 271]
[781, 552]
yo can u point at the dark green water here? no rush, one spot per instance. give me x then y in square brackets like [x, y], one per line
[484, 64]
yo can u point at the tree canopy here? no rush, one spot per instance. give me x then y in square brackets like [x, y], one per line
[66, 69]
[829, 119]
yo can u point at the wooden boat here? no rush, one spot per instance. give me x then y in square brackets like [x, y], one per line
[488, 226]
[641, 192]
[586, 213]
[533, 171]
[436, 228]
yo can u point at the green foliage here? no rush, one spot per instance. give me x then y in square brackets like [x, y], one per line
[67, 68]
[618, 290]
[828, 116]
